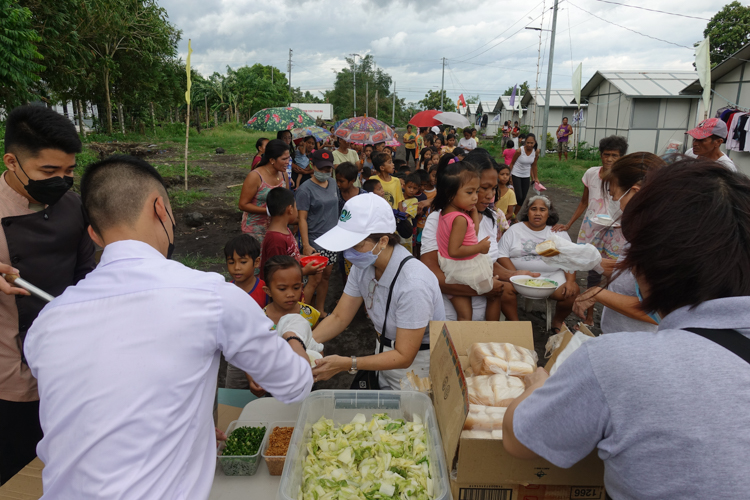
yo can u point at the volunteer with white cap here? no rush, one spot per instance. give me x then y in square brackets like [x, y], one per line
[708, 137]
[365, 232]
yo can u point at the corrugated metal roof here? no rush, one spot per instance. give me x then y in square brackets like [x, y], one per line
[738, 58]
[504, 103]
[486, 107]
[643, 83]
[559, 98]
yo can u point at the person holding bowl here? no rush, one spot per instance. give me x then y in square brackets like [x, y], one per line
[517, 250]
[401, 295]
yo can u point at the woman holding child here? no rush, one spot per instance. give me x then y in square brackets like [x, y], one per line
[400, 294]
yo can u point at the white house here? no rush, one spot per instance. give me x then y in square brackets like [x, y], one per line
[561, 104]
[486, 109]
[645, 107]
[730, 82]
[508, 112]
[470, 112]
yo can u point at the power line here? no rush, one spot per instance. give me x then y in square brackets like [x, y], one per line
[653, 10]
[630, 29]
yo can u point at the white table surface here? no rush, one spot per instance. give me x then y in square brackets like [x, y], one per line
[262, 485]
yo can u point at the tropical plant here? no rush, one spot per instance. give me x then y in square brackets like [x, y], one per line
[729, 31]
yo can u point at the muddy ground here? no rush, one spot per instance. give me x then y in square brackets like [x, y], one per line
[221, 216]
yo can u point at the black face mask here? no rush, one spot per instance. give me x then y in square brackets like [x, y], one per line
[170, 248]
[47, 191]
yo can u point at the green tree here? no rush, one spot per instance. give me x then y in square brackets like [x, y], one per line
[432, 101]
[19, 66]
[138, 28]
[376, 81]
[729, 31]
[522, 89]
[472, 99]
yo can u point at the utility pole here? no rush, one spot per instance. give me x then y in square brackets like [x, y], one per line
[549, 79]
[367, 98]
[376, 104]
[393, 118]
[442, 86]
[289, 68]
[354, 73]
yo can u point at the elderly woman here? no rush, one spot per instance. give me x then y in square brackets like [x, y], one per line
[517, 249]
[622, 311]
[401, 295]
[666, 411]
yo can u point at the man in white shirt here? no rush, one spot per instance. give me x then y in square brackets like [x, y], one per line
[708, 137]
[127, 360]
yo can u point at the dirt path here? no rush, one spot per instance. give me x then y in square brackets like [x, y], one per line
[202, 246]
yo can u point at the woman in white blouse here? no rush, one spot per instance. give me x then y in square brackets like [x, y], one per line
[517, 249]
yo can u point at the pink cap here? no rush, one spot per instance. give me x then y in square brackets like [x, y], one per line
[707, 128]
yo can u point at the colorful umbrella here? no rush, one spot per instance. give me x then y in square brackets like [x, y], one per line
[336, 125]
[275, 119]
[393, 143]
[364, 130]
[454, 119]
[319, 133]
[425, 118]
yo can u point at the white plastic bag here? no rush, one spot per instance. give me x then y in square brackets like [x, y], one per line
[301, 328]
[501, 357]
[578, 339]
[574, 257]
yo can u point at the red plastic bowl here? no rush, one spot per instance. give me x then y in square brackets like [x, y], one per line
[315, 259]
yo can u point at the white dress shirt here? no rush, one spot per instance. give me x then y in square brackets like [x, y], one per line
[127, 363]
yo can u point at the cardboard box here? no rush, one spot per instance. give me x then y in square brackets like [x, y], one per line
[527, 492]
[484, 463]
[567, 336]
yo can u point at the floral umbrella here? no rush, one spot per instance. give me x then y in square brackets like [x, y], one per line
[364, 130]
[275, 119]
[319, 133]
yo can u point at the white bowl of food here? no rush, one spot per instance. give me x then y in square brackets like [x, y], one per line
[534, 288]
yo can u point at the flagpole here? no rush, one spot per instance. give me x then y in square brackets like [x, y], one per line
[187, 118]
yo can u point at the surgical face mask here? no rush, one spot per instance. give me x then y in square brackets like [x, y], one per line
[321, 176]
[653, 314]
[615, 210]
[362, 260]
[170, 247]
[47, 191]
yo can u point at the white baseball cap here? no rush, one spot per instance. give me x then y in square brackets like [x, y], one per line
[436, 129]
[363, 215]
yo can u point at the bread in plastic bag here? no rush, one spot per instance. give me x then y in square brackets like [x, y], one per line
[573, 257]
[501, 357]
[494, 390]
[498, 434]
[484, 418]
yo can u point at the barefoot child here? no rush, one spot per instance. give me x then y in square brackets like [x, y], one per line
[461, 256]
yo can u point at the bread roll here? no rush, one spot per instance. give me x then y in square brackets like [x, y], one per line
[478, 434]
[484, 418]
[494, 390]
[547, 249]
[501, 357]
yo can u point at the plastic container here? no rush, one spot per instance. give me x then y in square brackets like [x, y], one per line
[275, 464]
[315, 259]
[341, 407]
[241, 465]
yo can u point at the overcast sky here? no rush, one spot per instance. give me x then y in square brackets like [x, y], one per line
[485, 44]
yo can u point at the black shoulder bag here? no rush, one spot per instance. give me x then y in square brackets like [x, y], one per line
[367, 380]
[731, 340]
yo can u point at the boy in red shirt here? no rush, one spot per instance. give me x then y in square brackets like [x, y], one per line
[243, 256]
[279, 238]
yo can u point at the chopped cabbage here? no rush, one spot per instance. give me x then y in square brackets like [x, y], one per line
[539, 283]
[383, 459]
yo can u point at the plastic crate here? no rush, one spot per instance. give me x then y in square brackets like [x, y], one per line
[275, 464]
[241, 465]
[341, 407]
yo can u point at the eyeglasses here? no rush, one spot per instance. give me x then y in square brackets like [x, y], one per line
[369, 300]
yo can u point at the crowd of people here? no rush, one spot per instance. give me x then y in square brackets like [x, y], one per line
[125, 360]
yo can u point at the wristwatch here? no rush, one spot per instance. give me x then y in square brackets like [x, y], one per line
[353, 370]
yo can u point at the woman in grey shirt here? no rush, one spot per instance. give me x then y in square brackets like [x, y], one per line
[667, 412]
[622, 312]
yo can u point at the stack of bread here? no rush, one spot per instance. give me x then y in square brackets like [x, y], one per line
[493, 382]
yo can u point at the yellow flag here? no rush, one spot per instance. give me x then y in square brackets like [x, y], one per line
[189, 83]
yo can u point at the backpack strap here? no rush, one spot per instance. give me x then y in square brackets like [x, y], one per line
[390, 294]
[731, 340]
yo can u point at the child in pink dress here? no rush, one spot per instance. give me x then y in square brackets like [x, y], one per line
[462, 258]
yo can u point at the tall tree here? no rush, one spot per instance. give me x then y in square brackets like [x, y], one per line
[472, 99]
[729, 31]
[19, 58]
[139, 27]
[522, 89]
[342, 95]
[432, 101]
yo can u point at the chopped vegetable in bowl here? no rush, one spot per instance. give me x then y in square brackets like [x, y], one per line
[380, 459]
[540, 283]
